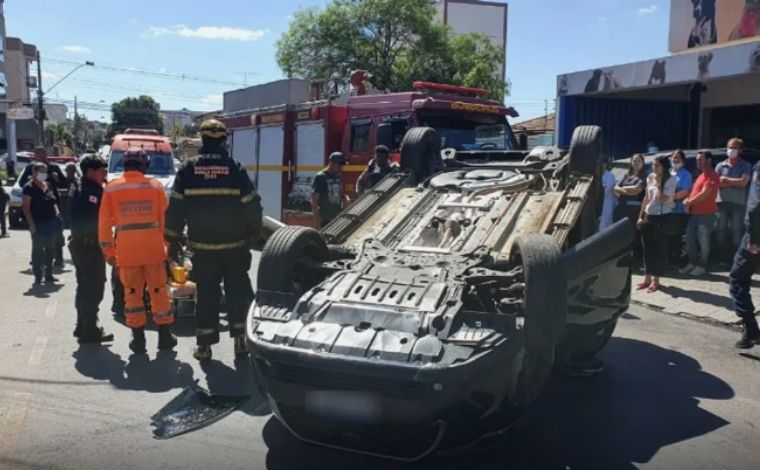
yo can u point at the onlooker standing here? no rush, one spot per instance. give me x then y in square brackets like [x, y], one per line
[4, 198]
[680, 217]
[40, 206]
[734, 175]
[702, 207]
[630, 194]
[609, 202]
[746, 262]
[66, 191]
[326, 191]
[654, 222]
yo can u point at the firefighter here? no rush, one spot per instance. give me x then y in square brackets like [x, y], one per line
[85, 198]
[377, 169]
[214, 197]
[135, 205]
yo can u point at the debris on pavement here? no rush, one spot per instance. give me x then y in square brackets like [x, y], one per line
[193, 409]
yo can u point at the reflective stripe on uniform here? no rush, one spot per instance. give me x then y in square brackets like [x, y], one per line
[134, 310]
[217, 246]
[120, 187]
[106, 244]
[171, 233]
[237, 325]
[212, 192]
[163, 314]
[142, 226]
[177, 196]
[248, 198]
[205, 331]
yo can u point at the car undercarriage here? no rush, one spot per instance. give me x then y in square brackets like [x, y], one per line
[430, 313]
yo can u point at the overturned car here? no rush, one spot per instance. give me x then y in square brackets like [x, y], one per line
[431, 312]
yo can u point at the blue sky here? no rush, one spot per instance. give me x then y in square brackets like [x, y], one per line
[222, 39]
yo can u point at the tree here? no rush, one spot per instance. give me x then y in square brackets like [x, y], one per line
[141, 112]
[397, 41]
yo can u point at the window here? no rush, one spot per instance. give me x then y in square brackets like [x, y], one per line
[399, 126]
[360, 135]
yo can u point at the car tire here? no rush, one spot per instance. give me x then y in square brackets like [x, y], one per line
[545, 311]
[586, 151]
[421, 152]
[286, 248]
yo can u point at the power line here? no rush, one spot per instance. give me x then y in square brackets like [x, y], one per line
[150, 73]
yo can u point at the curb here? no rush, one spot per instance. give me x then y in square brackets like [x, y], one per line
[736, 326]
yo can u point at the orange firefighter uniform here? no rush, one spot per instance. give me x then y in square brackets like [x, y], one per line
[131, 226]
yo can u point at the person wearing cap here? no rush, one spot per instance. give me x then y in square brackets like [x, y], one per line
[326, 191]
[214, 198]
[377, 169]
[130, 233]
[85, 198]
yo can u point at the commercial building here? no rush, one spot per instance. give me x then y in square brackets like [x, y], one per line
[182, 118]
[474, 16]
[705, 92]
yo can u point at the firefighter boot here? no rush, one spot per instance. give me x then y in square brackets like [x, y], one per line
[202, 352]
[137, 345]
[166, 339]
[241, 349]
[90, 332]
[750, 335]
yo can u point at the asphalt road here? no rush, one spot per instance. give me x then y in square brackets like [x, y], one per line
[674, 395]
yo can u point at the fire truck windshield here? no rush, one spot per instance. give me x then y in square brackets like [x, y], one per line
[470, 131]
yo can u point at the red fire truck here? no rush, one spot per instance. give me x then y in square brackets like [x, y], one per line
[284, 147]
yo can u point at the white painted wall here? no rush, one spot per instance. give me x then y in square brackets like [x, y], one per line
[732, 92]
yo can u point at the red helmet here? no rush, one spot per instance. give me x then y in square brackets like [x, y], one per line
[136, 159]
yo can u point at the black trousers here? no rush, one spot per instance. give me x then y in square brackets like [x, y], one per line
[677, 244]
[655, 246]
[43, 248]
[740, 280]
[91, 278]
[210, 269]
[3, 227]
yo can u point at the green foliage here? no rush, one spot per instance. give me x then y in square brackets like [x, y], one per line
[397, 41]
[141, 112]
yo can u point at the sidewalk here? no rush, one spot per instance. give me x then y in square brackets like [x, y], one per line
[704, 298]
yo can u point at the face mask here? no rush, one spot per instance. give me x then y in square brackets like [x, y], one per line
[653, 149]
[677, 166]
[41, 176]
[732, 153]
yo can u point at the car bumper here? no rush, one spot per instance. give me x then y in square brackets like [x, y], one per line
[397, 410]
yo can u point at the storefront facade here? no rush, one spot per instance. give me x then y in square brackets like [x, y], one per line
[707, 91]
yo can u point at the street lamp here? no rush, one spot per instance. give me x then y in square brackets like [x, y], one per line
[41, 94]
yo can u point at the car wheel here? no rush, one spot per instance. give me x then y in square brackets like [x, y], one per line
[421, 152]
[286, 258]
[586, 151]
[544, 310]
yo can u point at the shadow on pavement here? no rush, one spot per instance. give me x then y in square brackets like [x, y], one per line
[160, 374]
[222, 379]
[648, 398]
[43, 291]
[699, 297]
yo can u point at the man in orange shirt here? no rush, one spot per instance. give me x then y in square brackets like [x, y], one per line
[133, 210]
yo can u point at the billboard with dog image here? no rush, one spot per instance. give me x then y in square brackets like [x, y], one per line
[697, 23]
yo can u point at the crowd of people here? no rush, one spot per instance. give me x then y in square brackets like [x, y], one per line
[686, 223]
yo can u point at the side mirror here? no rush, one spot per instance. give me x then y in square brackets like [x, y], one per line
[385, 135]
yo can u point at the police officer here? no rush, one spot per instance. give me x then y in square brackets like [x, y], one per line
[746, 262]
[214, 197]
[85, 198]
[377, 169]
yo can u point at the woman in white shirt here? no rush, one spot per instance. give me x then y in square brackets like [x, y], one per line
[654, 220]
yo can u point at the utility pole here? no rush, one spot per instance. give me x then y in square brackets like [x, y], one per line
[40, 105]
[76, 126]
[546, 115]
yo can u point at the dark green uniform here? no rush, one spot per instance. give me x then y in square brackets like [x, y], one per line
[214, 197]
[328, 188]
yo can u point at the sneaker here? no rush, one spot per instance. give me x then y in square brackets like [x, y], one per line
[202, 353]
[50, 280]
[698, 271]
[687, 270]
[137, 345]
[241, 348]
